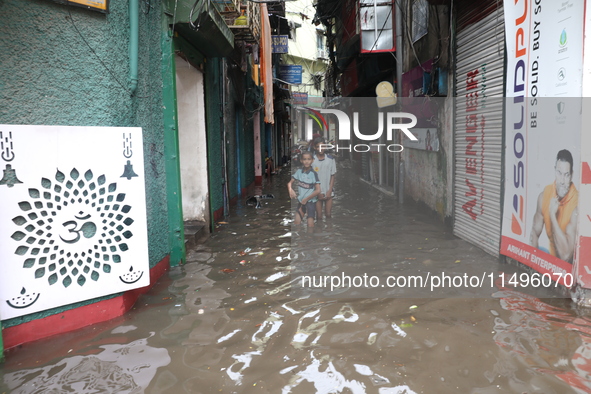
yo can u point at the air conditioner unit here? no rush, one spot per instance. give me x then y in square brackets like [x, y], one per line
[321, 54]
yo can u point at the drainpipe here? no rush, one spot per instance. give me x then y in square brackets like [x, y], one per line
[133, 43]
[401, 183]
[226, 188]
[398, 182]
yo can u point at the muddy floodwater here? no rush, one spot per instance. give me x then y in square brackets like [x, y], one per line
[235, 318]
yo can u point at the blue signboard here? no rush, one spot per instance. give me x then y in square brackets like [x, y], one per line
[290, 73]
[279, 44]
[300, 98]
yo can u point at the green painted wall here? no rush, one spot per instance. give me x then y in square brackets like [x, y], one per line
[247, 149]
[49, 75]
[230, 126]
[213, 112]
[176, 227]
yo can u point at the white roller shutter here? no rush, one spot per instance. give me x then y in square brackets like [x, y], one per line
[478, 141]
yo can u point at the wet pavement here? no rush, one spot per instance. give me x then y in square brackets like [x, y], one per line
[233, 320]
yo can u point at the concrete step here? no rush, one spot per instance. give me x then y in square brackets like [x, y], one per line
[196, 232]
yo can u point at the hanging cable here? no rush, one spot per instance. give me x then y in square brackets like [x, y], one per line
[101, 60]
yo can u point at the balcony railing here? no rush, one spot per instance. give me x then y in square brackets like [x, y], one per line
[244, 20]
[227, 7]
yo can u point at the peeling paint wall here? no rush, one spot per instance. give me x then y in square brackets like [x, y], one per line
[428, 174]
[192, 140]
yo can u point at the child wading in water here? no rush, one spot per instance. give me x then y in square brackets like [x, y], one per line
[325, 166]
[308, 188]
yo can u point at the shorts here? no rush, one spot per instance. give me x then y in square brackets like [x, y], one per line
[309, 208]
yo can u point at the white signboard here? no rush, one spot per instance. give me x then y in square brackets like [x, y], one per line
[544, 48]
[73, 217]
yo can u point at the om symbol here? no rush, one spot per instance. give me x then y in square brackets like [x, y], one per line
[75, 227]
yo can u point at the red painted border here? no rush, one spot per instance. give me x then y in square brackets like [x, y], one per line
[249, 190]
[544, 263]
[83, 316]
[218, 214]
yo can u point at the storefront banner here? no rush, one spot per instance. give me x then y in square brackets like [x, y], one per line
[583, 269]
[583, 272]
[279, 43]
[543, 134]
[544, 48]
[290, 73]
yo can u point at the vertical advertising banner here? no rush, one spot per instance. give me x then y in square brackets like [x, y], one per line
[543, 134]
[584, 252]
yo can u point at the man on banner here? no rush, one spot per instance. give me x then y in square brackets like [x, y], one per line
[557, 211]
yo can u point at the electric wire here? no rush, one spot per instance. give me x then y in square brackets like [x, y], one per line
[99, 59]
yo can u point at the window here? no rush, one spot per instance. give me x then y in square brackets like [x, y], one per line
[420, 19]
[320, 47]
[320, 41]
[317, 80]
[292, 28]
[377, 26]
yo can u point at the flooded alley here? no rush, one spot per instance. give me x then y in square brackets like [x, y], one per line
[235, 318]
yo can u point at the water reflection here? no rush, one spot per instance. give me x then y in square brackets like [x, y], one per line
[372, 236]
[545, 338]
[232, 321]
[118, 368]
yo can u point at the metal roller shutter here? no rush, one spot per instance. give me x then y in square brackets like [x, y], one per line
[478, 140]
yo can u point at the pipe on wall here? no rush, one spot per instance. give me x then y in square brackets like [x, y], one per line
[134, 38]
[399, 53]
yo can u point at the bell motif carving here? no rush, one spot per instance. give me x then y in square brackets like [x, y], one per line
[9, 179]
[128, 171]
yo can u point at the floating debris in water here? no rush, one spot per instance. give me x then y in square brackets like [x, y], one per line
[398, 330]
[228, 336]
[276, 276]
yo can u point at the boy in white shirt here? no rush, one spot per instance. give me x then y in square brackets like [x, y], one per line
[325, 166]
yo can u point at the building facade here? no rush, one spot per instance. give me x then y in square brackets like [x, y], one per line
[182, 83]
